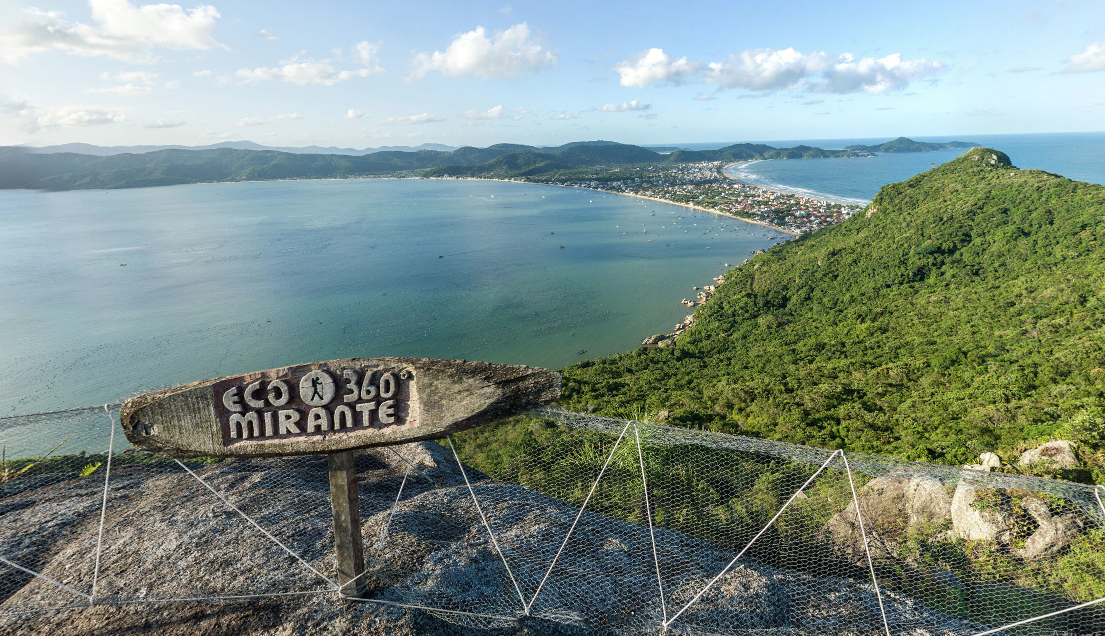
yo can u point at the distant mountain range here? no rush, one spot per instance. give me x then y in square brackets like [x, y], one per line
[105, 151]
[905, 144]
[55, 169]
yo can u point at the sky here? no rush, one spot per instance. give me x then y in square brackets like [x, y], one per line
[368, 74]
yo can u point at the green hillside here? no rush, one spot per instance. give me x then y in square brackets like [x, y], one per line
[905, 144]
[963, 312]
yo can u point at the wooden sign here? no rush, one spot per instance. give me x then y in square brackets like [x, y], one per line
[333, 408]
[324, 407]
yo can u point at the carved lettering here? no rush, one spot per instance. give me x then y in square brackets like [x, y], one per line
[368, 390]
[388, 385]
[230, 400]
[288, 418]
[278, 393]
[306, 401]
[318, 420]
[365, 409]
[241, 423]
[343, 417]
[350, 377]
[251, 401]
[387, 410]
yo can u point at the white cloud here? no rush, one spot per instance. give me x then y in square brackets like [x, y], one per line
[424, 118]
[65, 116]
[172, 85]
[34, 118]
[124, 89]
[507, 55]
[311, 72]
[623, 107]
[123, 31]
[203, 73]
[257, 121]
[1091, 59]
[355, 114]
[873, 76]
[562, 116]
[765, 69]
[703, 98]
[296, 72]
[131, 76]
[655, 66]
[268, 35]
[135, 83]
[492, 113]
[369, 55]
[167, 123]
[769, 70]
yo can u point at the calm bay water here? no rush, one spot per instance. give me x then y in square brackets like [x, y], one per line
[106, 294]
[1079, 156]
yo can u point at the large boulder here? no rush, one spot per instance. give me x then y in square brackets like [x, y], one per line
[986, 462]
[1056, 454]
[978, 514]
[1051, 537]
[890, 507]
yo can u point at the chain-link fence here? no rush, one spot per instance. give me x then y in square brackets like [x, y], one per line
[600, 525]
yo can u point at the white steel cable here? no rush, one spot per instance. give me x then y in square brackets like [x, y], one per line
[1040, 618]
[43, 577]
[671, 620]
[580, 514]
[228, 597]
[256, 525]
[866, 547]
[103, 507]
[75, 409]
[387, 526]
[651, 533]
[1097, 494]
[494, 541]
[435, 610]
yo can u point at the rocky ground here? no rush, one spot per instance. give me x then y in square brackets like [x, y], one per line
[166, 537]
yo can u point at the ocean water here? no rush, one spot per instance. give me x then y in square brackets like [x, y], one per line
[1079, 156]
[106, 294]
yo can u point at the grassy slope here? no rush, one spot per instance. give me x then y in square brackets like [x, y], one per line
[965, 314]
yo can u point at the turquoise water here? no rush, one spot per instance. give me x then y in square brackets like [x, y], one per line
[110, 293]
[1079, 156]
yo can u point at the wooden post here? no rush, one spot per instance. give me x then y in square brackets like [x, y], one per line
[347, 523]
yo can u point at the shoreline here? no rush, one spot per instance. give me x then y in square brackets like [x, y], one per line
[769, 226]
[794, 192]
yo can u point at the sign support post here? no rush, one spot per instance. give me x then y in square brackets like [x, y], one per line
[347, 523]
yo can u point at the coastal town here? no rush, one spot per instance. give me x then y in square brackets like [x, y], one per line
[704, 185]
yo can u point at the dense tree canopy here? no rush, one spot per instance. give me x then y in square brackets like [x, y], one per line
[963, 312]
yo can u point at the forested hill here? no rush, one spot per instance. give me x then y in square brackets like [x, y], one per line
[905, 144]
[549, 165]
[20, 168]
[963, 312]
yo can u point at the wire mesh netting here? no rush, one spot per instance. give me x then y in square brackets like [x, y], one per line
[601, 525]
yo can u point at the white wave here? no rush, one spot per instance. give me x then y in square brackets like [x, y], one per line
[738, 171]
